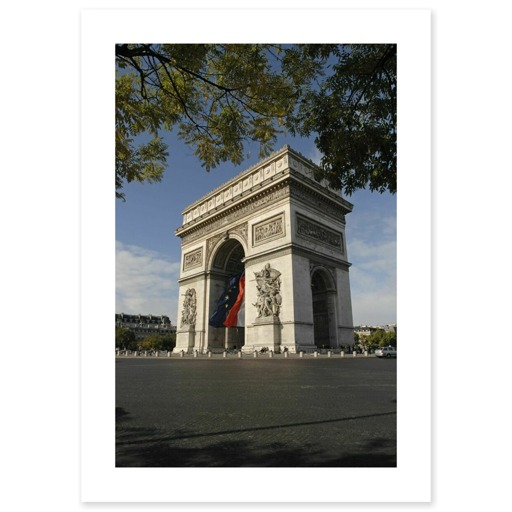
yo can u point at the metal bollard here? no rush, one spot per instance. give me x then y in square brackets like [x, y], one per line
[182, 354]
[366, 353]
[240, 355]
[169, 354]
[271, 354]
[286, 354]
[145, 353]
[224, 354]
[301, 354]
[354, 353]
[329, 353]
[157, 353]
[209, 354]
[255, 354]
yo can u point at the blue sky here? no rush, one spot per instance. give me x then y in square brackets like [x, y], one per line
[148, 252]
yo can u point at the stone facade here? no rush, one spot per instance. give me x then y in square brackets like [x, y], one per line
[287, 230]
[145, 325]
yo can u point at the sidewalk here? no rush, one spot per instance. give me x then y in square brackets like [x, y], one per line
[321, 354]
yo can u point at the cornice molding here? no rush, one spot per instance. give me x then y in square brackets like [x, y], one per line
[291, 248]
[239, 176]
[259, 177]
[289, 187]
[235, 213]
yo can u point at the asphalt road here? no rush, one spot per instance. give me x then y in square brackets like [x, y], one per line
[294, 412]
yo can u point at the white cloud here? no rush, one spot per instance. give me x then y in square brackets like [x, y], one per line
[146, 282]
[379, 258]
[373, 297]
[373, 272]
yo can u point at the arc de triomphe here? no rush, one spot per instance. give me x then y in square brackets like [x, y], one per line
[287, 231]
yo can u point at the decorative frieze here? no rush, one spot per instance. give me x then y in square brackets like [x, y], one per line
[269, 171]
[311, 230]
[247, 183]
[240, 211]
[240, 230]
[237, 189]
[193, 259]
[269, 229]
[317, 201]
[255, 176]
[212, 242]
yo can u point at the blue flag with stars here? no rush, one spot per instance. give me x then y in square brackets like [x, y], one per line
[225, 303]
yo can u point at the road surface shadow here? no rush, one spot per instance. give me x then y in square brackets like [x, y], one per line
[144, 447]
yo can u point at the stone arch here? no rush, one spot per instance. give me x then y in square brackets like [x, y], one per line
[324, 298]
[219, 246]
[274, 214]
[228, 256]
[325, 277]
[226, 260]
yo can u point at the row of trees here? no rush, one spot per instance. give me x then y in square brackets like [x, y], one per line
[219, 98]
[126, 339]
[379, 338]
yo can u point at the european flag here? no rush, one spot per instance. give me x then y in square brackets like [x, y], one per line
[225, 303]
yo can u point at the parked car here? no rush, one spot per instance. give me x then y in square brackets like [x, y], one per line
[385, 352]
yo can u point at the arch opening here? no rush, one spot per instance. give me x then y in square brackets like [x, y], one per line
[324, 309]
[229, 258]
[227, 262]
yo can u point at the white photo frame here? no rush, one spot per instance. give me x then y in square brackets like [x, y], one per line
[101, 481]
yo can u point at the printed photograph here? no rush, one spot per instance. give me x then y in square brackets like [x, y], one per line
[256, 241]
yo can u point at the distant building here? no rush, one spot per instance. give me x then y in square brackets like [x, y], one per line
[145, 325]
[367, 330]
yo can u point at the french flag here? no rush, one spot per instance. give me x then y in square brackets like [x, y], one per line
[236, 315]
[232, 296]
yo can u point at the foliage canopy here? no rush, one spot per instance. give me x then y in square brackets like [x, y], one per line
[125, 338]
[219, 97]
[158, 342]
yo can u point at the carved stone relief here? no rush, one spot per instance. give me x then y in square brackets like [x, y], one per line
[240, 230]
[268, 287]
[267, 230]
[313, 231]
[237, 189]
[241, 211]
[193, 259]
[188, 313]
[212, 242]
